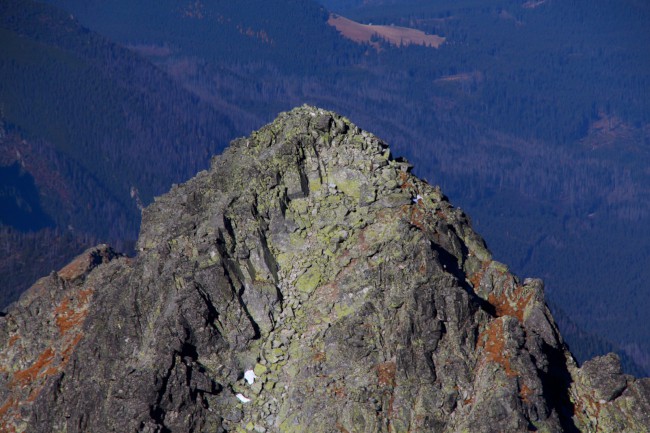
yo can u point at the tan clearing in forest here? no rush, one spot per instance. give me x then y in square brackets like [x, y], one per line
[532, 4]
[462, 77]
[400, 36]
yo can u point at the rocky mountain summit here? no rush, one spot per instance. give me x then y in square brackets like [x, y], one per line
[307, 282]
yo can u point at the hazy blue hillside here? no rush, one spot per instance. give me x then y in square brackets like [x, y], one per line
[84, 123]
[534, 116]
[99, 103]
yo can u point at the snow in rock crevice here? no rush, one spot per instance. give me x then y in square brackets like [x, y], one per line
[242, 398]
[250, 376]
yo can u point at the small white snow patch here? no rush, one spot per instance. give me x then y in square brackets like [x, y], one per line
[312, 114]
[417, 199]
[243, 399]
[331, 185]
[212, 254]
[250, 376]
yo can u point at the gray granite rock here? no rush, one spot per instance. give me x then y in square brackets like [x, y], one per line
[361, 299]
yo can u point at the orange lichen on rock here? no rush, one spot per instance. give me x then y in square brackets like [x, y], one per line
[12, 340]
[66, 317]
[417, 215]
[404, 180]
[524, 393]
[513, 305]
[587, 406]
[31, 373]
[329, 292]
[83, 296]
[341, 429]
[338, 390]
[476, 277]
[34, 394]
[319, 357]
[4, 409]
[67, 352]
[492, 343]
[69, 317]
[386, 372]
[440, 214]
[7, 411]
[51, 361]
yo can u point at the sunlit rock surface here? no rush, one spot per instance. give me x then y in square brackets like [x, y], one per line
[306, 283]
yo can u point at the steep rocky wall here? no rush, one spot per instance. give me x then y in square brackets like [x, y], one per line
[309, 261]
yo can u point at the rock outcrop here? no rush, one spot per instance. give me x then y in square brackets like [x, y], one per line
[307, 282]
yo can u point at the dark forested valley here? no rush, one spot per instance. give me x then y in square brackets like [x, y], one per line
[533, 116]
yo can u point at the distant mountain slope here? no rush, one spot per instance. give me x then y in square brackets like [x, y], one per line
[584, 345]
[91, 123]
[259, 32]
[28, 256]
[100, 104]
[19, 200]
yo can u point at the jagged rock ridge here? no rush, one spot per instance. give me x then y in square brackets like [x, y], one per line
[311, 263]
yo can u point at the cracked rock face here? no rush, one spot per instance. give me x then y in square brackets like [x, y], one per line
[307, 282]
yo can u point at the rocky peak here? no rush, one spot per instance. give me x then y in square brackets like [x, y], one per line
[307, 282]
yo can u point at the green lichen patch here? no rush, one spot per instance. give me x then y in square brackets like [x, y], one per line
[308, 281]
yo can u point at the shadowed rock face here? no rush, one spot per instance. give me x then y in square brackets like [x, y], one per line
[359, 297]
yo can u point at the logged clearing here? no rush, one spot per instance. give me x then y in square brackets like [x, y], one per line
[462, 77]
[532, 4]
[400, 36]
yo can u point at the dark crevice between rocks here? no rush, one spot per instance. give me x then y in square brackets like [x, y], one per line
[556, 382]
[300, 168]
[213, 314]
[428, 357]
[227, 223]
[322, 170]
[450, 264]
[189, 355]
[156, 412]
[82, 423]
[405, 164]
[188, 350]
[256, 328]
[304, 180]
[531, 426]
[158, 415]
[283, 202]
[239, 295]
[137, 311]
[194, 393]
[269, 259]
[619, 393]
